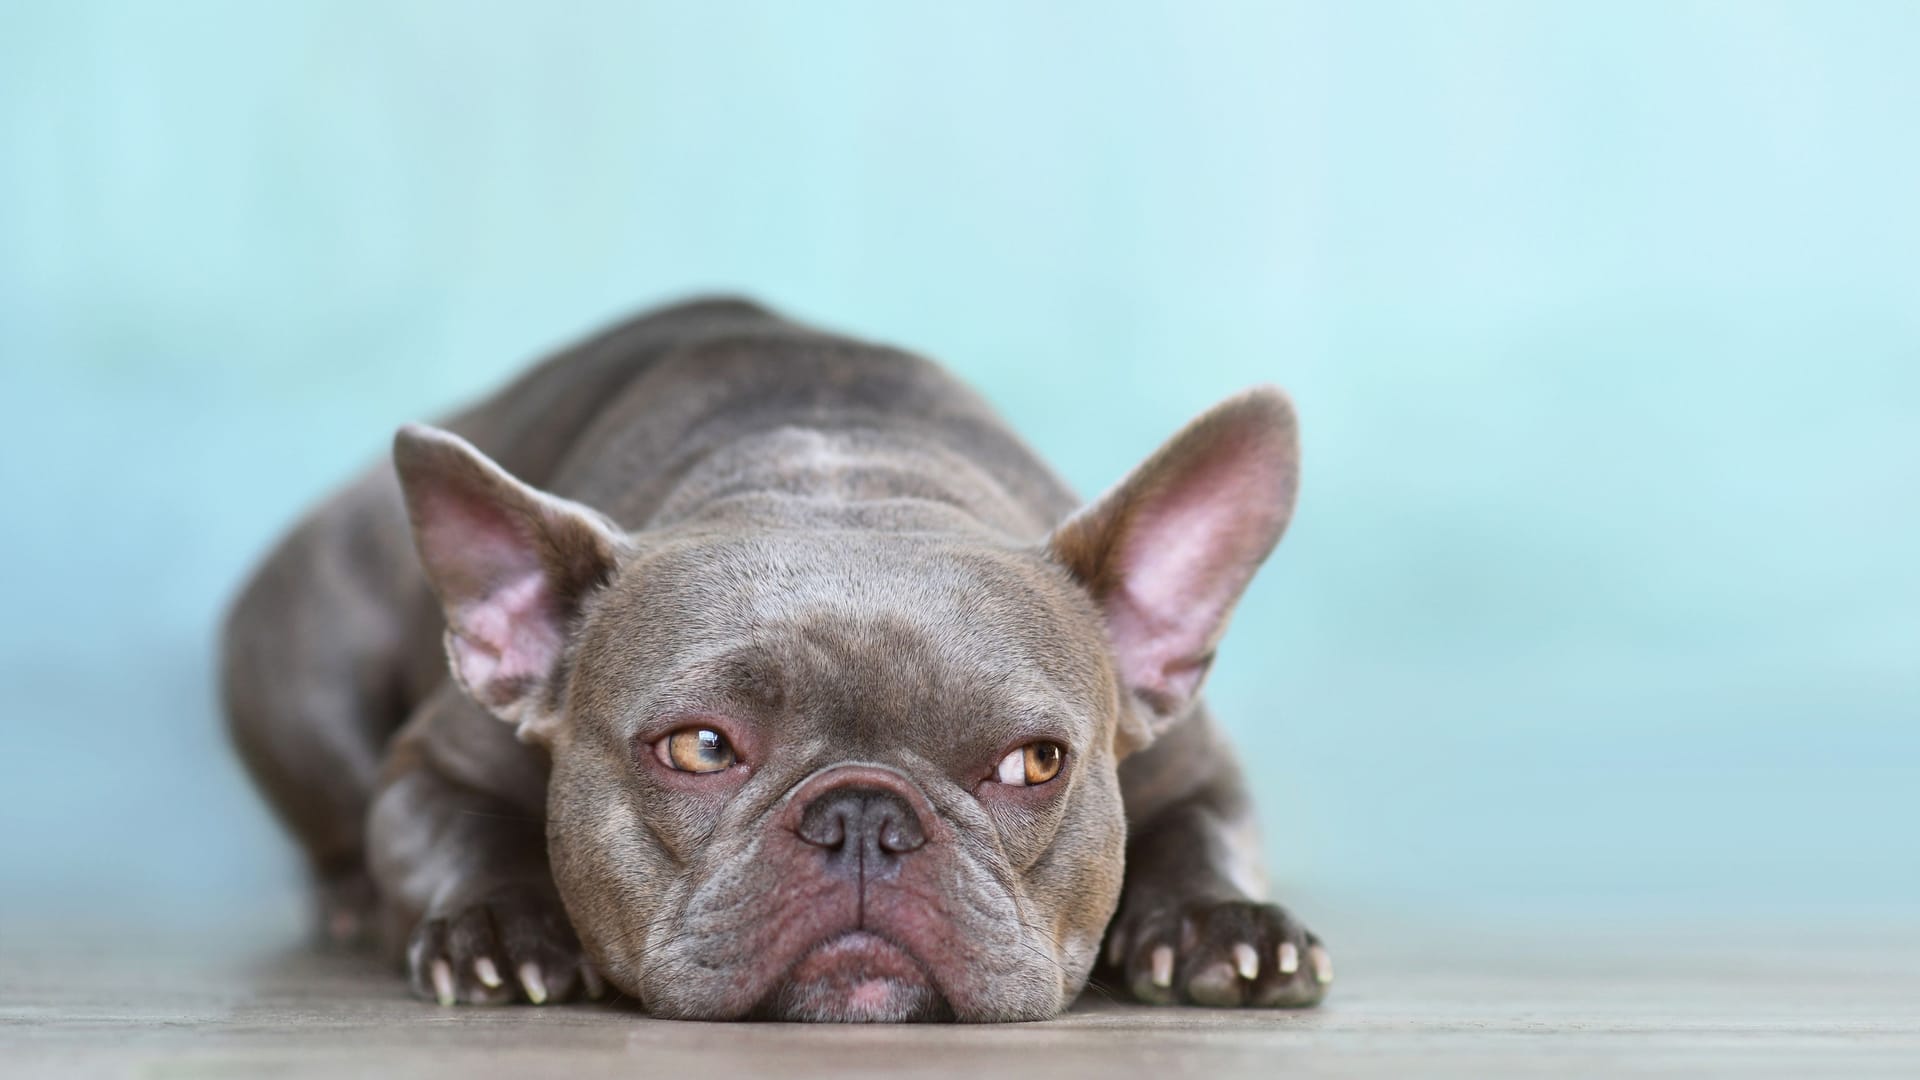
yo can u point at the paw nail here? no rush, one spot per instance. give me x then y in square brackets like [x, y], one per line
[590, 979]
[1116, 948]
[488, 975]
[535, 985]
[1246, 961]
[442, 975]
[1289, 958]
[1163, 965]
[1322, 964]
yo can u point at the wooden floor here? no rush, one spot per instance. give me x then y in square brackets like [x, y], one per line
[74, 1005]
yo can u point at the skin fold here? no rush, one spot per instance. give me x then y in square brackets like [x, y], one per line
[951, 752]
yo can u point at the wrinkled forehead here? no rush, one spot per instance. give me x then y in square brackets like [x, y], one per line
[854, 628]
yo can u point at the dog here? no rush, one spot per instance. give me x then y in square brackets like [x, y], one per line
[761, 672]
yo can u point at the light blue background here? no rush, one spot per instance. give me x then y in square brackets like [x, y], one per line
[1603, 320]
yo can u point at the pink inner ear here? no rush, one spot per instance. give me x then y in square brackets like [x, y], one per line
[500, 606]
[507, 641]
[1186, 556]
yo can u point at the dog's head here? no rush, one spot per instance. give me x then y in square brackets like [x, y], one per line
[815, 770]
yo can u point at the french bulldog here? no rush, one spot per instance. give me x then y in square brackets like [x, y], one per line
[760, 672]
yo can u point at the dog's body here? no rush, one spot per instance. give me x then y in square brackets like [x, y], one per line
[820, 709]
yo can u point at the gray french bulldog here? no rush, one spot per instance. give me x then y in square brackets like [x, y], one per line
[786, 683]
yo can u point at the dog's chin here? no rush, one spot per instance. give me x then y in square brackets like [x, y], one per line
[856, 977]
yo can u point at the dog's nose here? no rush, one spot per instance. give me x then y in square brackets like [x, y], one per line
[863, 830]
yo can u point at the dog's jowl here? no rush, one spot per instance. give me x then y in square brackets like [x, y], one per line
[754, 671]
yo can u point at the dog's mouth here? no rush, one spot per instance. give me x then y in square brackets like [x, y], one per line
[853, 977]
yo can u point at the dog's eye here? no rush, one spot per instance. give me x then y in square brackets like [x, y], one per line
[695, 750]
[1034, 763]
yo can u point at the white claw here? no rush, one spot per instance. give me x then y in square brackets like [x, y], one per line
[1163, 965]
[1289, 958]
[590, 980]
[1322, 964]
[488, 974]
[441, 973]
[1116, 948]
[535, 984]
[1246, 961]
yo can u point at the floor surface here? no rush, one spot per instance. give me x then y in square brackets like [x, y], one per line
[173, 1007]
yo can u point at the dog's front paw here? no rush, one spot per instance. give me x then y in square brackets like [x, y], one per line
[507, 944]
[1219, 952]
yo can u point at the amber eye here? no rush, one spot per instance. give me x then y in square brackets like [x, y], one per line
[1034, 763]
[695, 750]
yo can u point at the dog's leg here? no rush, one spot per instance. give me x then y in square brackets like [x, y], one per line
[314, 680]
[1194, 925]
[457, 844]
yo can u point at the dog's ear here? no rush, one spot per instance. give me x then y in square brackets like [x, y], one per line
[510, 565]
[1168, 551]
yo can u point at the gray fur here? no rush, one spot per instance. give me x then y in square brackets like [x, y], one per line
[843, 555]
